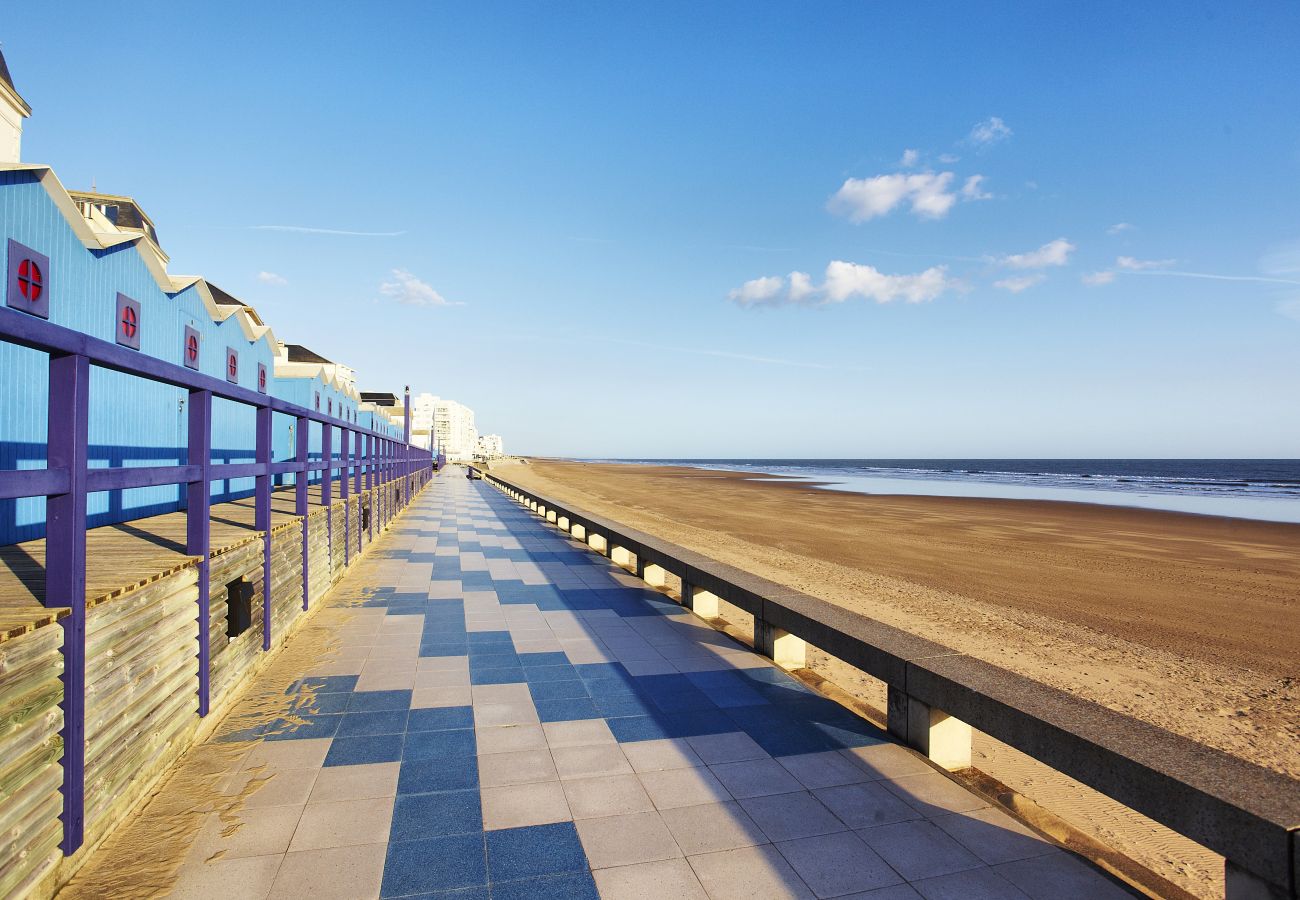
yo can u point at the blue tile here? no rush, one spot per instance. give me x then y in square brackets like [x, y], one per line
[510, 675]
[425, 776]
[536, 851]
[684, 701]
[374, 701]
[444, 649]
[435, 864]
[566, 710]
[419, 816]
[640, 728]
[439, 744]
[492, 660]
[588, 671]
[320, 704]
[558, 887]
[544, 659]
[387, 721]
[694, 723]
[736, 696]
[302, 729]
[557, 690]
[441, 718]
[612, 707]
[550, 673]
[356, 751]
[611, 687]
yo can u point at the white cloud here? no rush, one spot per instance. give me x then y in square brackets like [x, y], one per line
[989, 132]
[1019, 283]
[405, 288]
[1138, 265]
[759, 291]
[844, 281]
[910, 158]
[928, 194]
[949, 158]
[1120, 228]
[272, 278]
[1289, 308]
[1097, 279]
[971, 189]
[1053, 253]
[303, 229]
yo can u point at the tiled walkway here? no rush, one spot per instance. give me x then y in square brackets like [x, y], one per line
[495, 712]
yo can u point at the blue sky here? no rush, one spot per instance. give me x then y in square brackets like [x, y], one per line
[582, 219]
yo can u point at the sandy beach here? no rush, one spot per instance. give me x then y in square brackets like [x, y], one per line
[1191, 623]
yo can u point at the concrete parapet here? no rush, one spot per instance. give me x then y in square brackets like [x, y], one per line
[1247, 814]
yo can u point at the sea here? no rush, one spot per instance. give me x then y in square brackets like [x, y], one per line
[1263, 489]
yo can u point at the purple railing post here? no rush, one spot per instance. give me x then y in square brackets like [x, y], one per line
[262, 514]
[370, 483]
[300, 492]
[65, 571]
[197, 533]
[327, 492]
[345, 482]
[406, 447]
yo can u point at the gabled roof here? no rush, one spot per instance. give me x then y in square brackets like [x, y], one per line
[7, 86]
[379, 399]
[299, 353]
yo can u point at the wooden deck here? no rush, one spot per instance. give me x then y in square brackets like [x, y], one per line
[125, 556]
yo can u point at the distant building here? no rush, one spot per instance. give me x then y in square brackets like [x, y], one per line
[450, 423]
[13, 109]
[490, 446]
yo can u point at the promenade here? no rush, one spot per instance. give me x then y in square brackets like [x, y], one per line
[483, 708]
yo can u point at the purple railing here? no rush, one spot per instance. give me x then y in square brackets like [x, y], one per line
[66, 481]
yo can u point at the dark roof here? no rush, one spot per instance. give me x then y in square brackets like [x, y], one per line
[299, 353]
[222, 298]
[4, 73]
[379, 399]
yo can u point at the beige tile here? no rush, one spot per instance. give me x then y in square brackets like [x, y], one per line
[683, 787]
[244, 878]
[519, 805]
[887, 760]
[1057, 874]
[711, 827]
[833, 865]
[253, 832]
[625, 840]
[755, 778]
[919, 849]
[386, 681]
[337, 873]
[993, 836]
[582, 733]
[865, 805]
[509, 738]
[819, 770]
[264, 787]
[429, 698]
[933, 794]
[343, 823]
[657, 756]
[308, 753]
[590, 762]
[614, 795]
[439, 678]
[514, 712]
[363, 782]
[519, 767]
[665, 879]
[749, 873]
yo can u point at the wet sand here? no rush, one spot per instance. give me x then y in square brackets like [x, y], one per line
[1189, 622]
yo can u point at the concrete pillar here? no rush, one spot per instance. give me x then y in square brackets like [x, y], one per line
[550, 515]
[778, 645]
[652, 574]
[578, 532]
[703, 603]
[945, 741]
[599, 543]
[563, 523]
[620, 556]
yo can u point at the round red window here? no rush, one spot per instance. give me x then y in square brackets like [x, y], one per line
[30, 281]
[232, 366]
[130, 322]
[192, 348]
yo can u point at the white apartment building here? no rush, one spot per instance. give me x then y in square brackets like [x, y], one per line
[490, 446]
[451, 423]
